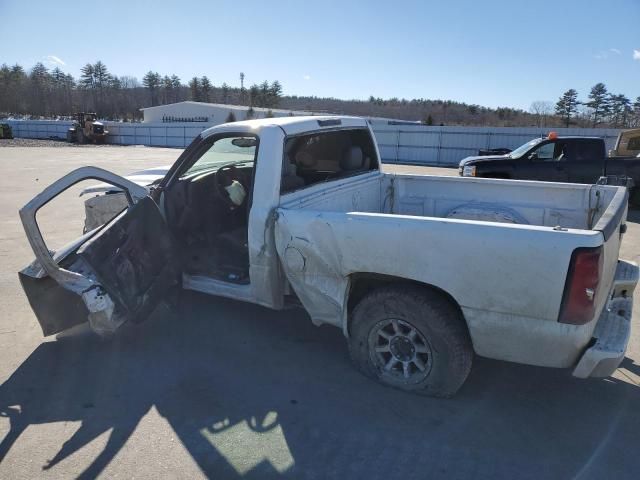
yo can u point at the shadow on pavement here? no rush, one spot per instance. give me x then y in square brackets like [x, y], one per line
[253, 393]
[633, 214]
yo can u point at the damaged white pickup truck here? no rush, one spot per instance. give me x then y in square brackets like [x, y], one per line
[419, 272]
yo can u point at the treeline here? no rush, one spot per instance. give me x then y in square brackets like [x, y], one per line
[602, 108]
[45, 93]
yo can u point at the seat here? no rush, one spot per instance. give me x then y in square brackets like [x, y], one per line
[353, 160]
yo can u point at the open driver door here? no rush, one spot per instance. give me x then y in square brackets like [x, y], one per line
[116, 273]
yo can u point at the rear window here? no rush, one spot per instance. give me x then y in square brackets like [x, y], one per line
[634, 143]
[324, 156]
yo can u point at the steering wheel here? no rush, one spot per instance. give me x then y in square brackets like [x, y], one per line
[224, 176]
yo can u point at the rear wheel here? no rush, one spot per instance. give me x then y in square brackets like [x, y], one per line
[411, 338]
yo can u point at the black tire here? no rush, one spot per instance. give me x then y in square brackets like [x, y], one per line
[441, 341]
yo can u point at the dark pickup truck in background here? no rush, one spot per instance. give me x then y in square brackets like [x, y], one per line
[557, 159]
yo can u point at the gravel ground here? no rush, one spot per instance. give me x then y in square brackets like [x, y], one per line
[37, 142]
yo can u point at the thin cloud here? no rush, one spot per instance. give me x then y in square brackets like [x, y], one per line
[604, 54]
[636, 54]
[306, 77]
[53, 60]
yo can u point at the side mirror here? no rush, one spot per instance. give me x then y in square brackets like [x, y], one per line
[533, 156]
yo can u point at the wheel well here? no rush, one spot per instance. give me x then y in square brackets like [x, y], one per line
[363, 283]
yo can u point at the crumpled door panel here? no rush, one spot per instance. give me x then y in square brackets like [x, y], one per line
[134, 259]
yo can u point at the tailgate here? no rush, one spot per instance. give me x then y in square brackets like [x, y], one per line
[613, 205]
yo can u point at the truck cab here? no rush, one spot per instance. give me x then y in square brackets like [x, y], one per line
[563, 159]
[213, 214]
[553, 159]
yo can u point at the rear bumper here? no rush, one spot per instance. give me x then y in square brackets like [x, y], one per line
[613, 329]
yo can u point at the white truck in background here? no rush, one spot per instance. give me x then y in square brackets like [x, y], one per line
[419, 272]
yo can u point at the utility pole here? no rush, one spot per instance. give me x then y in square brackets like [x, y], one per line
[242, 92]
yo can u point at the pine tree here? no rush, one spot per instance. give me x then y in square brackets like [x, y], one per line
[40, 82]
[176, 86]
[86, 77]
[101, 78]
[254, 93]
[194, 89]
[151, 81]
[567, 106]
[598, 103]
[275, 92]
[205, 87]
[636, 112]
[17, 89]
[225, 93]
[264, 97]
[167, 89]
[619, 109]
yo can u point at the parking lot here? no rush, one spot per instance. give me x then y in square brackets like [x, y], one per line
[231, 390]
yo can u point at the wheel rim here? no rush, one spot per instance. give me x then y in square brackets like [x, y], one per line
[400, 351]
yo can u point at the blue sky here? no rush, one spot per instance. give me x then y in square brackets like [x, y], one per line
[491, 53]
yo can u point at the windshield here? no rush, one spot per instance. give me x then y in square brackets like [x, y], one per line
[225, 151]
[522, 149]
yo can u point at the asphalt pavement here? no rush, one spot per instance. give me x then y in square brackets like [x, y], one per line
[224, 389]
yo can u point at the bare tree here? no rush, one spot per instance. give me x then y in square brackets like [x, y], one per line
[541, 109]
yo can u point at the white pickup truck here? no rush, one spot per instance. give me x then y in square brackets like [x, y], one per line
[419, 272]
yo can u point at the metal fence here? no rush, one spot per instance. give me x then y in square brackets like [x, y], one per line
[39, 128]
[446, 146]
[398, 143]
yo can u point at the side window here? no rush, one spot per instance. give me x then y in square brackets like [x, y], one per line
[324, 156]
[587, 151]
[545, 152]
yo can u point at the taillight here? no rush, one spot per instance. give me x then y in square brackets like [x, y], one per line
[579, 299]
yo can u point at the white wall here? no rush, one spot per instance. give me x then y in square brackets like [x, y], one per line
[446, 146]
[410, 144]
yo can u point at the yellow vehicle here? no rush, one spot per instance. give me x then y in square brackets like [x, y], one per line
[628, 144]
[86, 128]
[5, 131]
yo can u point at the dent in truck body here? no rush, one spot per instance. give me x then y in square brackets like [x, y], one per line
[321, 250]
[313, 265]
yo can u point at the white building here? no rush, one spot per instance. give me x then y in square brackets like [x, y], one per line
[210, 113]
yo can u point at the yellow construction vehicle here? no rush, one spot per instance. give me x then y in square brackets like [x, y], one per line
[87, 129]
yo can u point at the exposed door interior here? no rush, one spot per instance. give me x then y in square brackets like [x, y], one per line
[118, 272]
[207, 207]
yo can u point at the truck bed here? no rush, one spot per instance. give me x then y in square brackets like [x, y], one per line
[473, 239]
